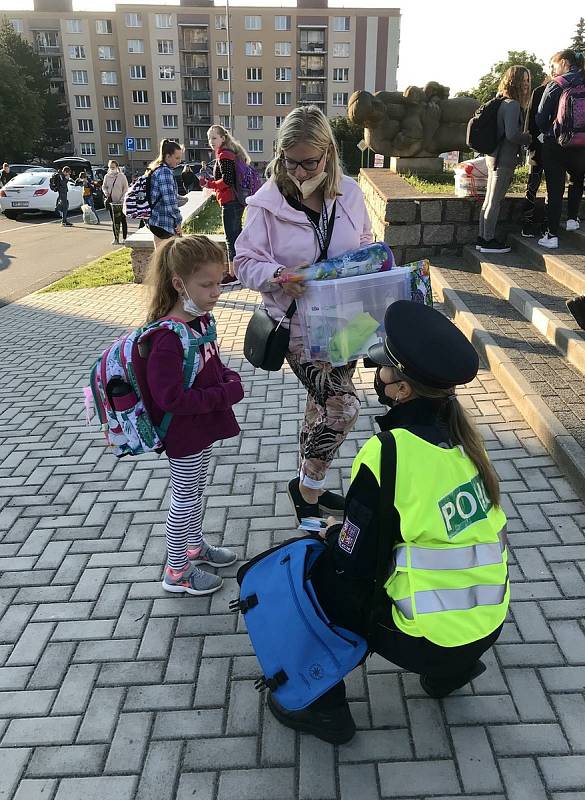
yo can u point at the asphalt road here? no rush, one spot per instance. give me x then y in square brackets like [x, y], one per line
[37, 250]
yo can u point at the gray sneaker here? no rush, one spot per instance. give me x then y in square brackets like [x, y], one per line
[212, 556]
[191, 580]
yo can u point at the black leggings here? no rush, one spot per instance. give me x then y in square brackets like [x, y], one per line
[558, 161]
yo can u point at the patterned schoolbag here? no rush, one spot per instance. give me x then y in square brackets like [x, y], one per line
[116, 394]
[137, 202]
[569, 125]
[247, 181]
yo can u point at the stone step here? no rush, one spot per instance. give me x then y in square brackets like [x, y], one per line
[547, 390]
[566, 265]
[539, 298]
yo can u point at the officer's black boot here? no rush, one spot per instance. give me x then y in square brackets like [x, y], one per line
[332, 724]
[577, 308]
[441, 688]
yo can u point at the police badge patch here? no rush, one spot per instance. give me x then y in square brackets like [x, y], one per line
[348, 536]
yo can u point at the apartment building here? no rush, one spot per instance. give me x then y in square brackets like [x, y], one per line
[153, 72]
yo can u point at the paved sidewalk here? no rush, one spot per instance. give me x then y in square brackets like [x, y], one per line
[110, 688]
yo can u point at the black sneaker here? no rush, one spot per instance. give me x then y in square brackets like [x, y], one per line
[479, 242]
[438, 690]
[494, 246]
[335, 725]
[300, 505]
[577, 308]
[332, 502]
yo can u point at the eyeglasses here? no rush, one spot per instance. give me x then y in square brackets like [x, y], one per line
[308, 164]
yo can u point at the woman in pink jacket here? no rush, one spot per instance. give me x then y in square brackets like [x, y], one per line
[308, 209]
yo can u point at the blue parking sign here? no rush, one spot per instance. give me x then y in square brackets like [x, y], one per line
[130, 144]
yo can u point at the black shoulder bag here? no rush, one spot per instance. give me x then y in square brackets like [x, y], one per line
[266, 340]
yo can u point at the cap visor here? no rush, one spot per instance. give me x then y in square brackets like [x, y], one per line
[378, 355]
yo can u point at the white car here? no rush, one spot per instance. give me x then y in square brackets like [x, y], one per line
[30, 191]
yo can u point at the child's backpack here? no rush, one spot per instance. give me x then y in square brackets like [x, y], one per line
[301, 653]
[569, 125]
[247, 181]
[54, 182]
[482, 128]
[136, 203]
[116, 395]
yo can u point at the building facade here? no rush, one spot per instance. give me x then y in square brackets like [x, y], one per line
[154, 72]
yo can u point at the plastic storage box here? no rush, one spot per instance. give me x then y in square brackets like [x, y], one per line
[341, 319]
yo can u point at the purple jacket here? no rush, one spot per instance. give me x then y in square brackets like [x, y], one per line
[203, 413]
[276, 234]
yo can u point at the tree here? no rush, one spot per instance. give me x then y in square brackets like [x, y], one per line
[348, 134]
[488, 83]
[20, 113]
[578, 40]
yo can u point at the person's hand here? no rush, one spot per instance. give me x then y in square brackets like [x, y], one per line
[330, 521]
[295, 286]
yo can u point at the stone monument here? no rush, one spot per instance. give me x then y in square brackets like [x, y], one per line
[414, 126]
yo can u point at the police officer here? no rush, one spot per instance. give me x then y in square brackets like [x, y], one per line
[419, 564]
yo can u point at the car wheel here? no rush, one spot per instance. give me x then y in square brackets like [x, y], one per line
[11, 214]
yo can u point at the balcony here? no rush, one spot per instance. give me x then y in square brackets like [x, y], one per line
[199, 95]
[187, 45]
[198, 121]
[197, 72]
[318, 74]
[311, 97]
[311, 47]
[48, 49]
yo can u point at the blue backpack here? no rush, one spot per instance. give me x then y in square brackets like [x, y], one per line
[301, 653]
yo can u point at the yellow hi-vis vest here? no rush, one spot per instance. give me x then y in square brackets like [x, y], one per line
[450, 576]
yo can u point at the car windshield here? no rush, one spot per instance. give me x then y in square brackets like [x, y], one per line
[40, 169]
[29, 179]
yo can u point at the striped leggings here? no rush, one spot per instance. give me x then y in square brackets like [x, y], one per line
[183, 529]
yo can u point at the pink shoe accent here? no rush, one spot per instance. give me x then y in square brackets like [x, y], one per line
[193, 553]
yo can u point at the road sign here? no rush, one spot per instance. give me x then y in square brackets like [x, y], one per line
[378, 160]
[130, 144]
[362, 146]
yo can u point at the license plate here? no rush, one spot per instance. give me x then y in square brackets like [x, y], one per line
[20, 204]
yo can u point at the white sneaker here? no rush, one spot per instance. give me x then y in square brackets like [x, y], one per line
[114, 241]
[572, 224]
[548, 241]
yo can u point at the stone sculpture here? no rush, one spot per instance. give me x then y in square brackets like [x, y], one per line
[416, 123]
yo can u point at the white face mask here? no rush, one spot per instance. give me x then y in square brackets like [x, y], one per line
[306, 188]
[189, 306]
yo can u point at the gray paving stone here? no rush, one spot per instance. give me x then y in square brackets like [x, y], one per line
[522, 779]
[358, 780]
[157, 639]
[316, 770]
[212, 682]
[186, 724]
[385, 697]
[524, 740]
[571, 639]
[222, 753]
[428, 730]
[121, 788]
[119, 650]
[31, 644]
[83, 630]
[75, 689]
[14, 677]
[529, 696]
[160, 772]
[131, 673]
[563, 772]
[40, 730]
[101, 715]
[62, 611]
[12, 764]
[25, 704]
[36, 789]
[278, 745]
[399, 779]
[129, 743]
[473, 709]
[257, 784]
[571, 711]
[564, 679]
[14, 622]
[476, 762]
[376, 746]
[67, 760]
[243, 709]
[200, 786]
[159, 698]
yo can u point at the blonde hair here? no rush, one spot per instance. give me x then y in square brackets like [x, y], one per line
[462, 431]
[182, 256]
[167, 148]
[511, 84]
[307, 124]
[230, 143]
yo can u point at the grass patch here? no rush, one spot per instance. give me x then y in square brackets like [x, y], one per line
[444, 182]
[207, 222]
[114, 267]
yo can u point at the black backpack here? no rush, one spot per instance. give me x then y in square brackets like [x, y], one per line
[54, 182]
[482, 128]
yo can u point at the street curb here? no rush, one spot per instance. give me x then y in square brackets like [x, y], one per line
[546, 322]
[550, 263]
[566, 451]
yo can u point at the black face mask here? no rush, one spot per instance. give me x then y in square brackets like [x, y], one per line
[380, 389]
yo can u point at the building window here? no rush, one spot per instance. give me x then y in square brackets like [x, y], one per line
[85, 125]
[168, 98]
[253, 48]
[17, 25]
[281, 23]
[220, 22]
[223, 98]
[136, 45]
[255, 123]
[143, 144]
[166, 72]
[253, 23]
[134, 20]
[254, 74]
[283, 98]
[73, 26]
[76, 51]
[254, 98]
[114, 149]
[170, 121]
[224, 121]
[142, 120]
[106, 53]
[340, 98]
[103, 26]
[163, 20]
[111, 101]
[114, 125]
[341, 49]
[80, 76]
[87, 148]
[341, 24]
[47, 39]
[138, 72]
[110, 78]
[223, 74]
[312, 41]
[341, 74]
[140, 96]
[282, 48]
[221, 48]
[166, 47]
[283, 73]
[82, 101]
[255, 145]
[278, 120]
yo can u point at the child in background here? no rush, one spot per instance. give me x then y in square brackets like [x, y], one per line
[186, 277]
[205, 171]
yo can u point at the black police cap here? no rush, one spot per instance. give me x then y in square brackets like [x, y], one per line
[424, 345]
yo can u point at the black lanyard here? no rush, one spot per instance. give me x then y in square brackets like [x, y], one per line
[323, 230]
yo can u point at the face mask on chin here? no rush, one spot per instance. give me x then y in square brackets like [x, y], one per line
[189, 306]
[306, 188]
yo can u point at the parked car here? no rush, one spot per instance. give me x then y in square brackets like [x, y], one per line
[178, 173]
[18, 169]
[30, 191]
[40, 169]
[78, 165]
